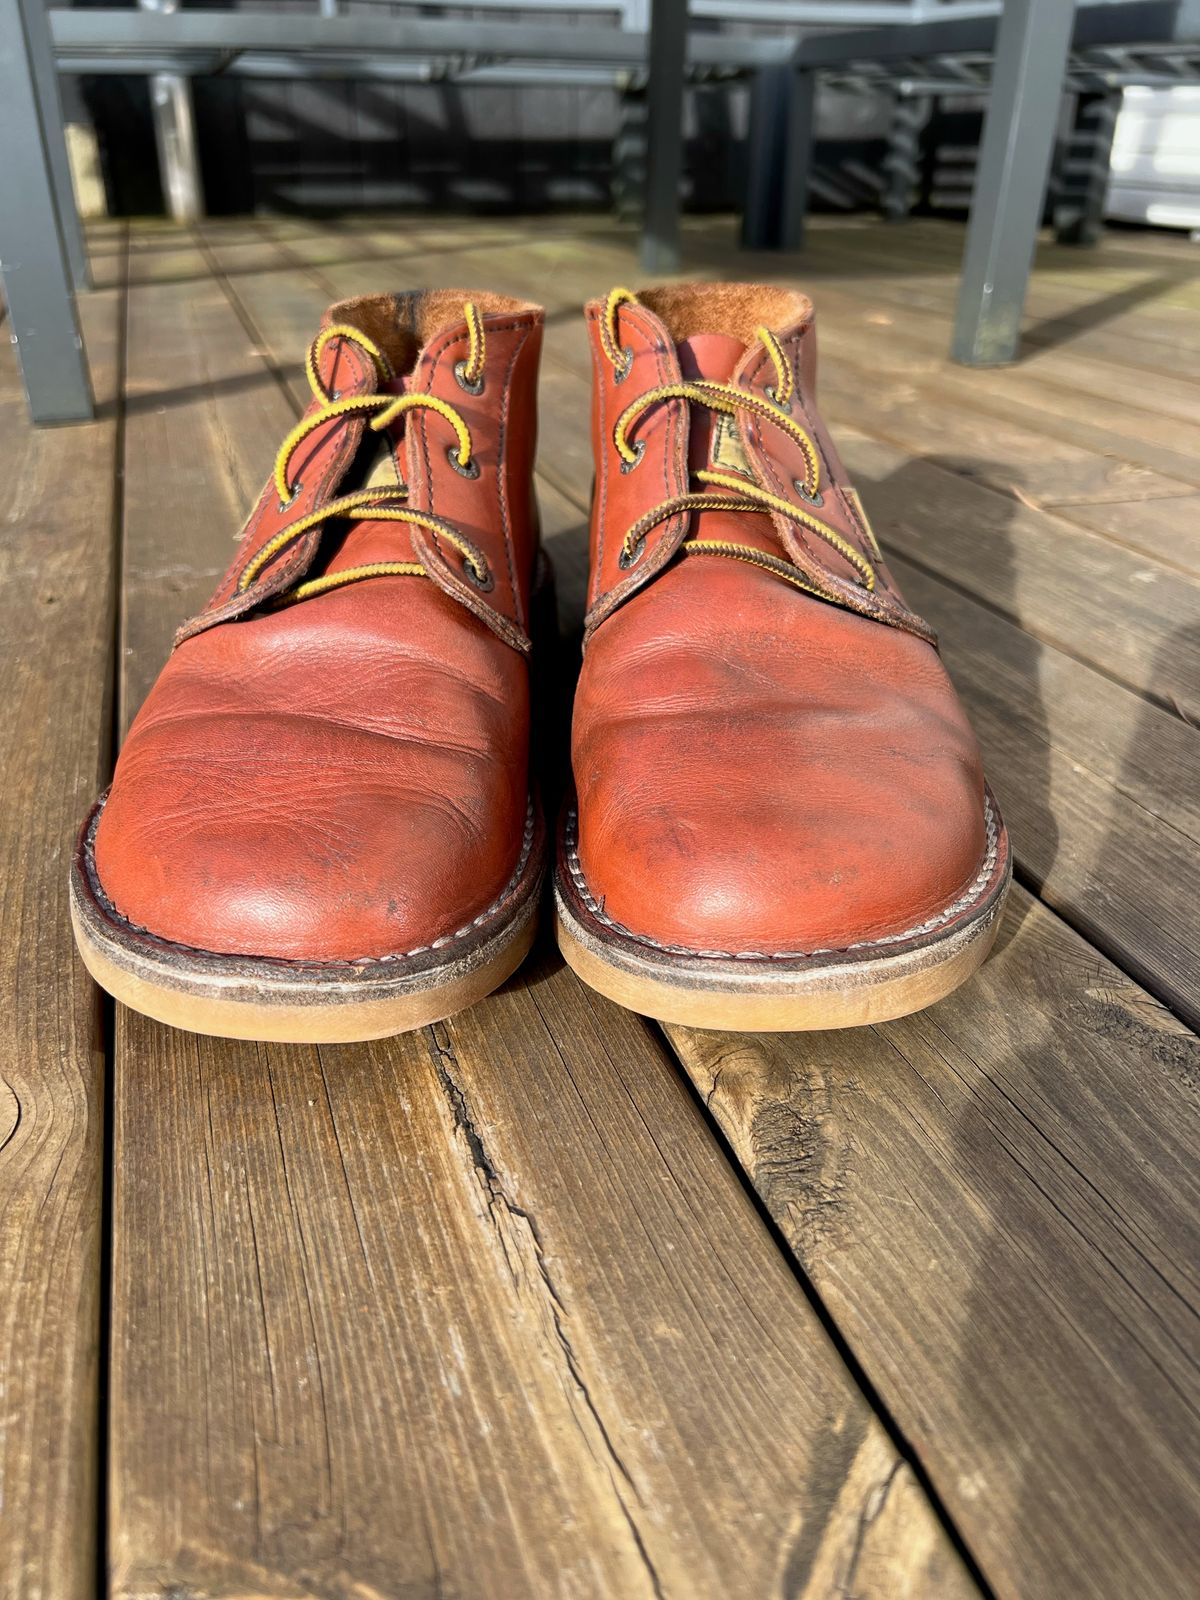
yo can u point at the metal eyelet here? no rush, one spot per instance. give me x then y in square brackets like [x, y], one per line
[626, 367]
[630, 558]
[471, 470]
[639, 450]
[472, 387]
[296, 487]
[485, 583]
[784, 405]
[816, 498]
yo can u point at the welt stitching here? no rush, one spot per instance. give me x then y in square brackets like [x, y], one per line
[963, 902]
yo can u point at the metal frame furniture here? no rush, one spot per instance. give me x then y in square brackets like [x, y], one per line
[1035, 44]
[1024, 59]
[42, 252]
[36, 204]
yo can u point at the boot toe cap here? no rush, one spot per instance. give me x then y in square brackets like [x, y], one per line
[761, 800]
[753, 873]
[238, 841]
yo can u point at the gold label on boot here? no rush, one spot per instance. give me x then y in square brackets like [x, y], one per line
[728, 451]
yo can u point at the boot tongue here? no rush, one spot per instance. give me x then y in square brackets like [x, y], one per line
[715, 443]
[366, 542]
[713, 439]
[714, 356]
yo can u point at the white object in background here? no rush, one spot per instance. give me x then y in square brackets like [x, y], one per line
[1155, 172]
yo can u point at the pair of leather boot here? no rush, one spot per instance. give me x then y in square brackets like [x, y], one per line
[322, 824]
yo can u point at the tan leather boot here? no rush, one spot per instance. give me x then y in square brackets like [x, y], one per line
[321, 825]
[781, 819]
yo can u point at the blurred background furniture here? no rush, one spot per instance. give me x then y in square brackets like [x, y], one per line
[1030, 58]
[1027, 57]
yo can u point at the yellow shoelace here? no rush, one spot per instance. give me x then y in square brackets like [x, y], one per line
[378, 504]
[729, 400]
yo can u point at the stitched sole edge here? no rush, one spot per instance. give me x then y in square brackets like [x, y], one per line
[298, 1002]
[868, 982]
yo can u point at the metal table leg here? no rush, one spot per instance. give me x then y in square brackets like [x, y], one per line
[1006, 209]
[1079, 211]
[664, 133]
[765, 157]
[175, 135]
[45, 83]
[798, 159]
[33, 256]
[902, 163]
[778, 158]
[629, 155]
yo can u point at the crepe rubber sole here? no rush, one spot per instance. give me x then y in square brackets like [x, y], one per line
[300, 1002]
[751, 992]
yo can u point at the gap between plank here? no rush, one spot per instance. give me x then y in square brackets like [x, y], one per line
[837, 1339]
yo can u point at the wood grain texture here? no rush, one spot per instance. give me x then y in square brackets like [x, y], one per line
[994, 1199]
[481, 1309]
[486, 1308]
[1129, 306]
[1125, 614]
[475, 1310]
[998, 1202]
[56, 619]
[1099, 787]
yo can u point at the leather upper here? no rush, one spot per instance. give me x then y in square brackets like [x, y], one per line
[345, 777]
[757, 769]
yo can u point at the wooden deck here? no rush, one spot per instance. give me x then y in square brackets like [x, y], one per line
[549, 1301]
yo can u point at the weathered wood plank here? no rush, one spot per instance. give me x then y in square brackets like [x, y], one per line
[1112, 303]
[1100, 789]
[1099, 418]
[386, 1258]
[997, 1200]
[1167, 529]
[1028, 1308]
[1083, 385]
[57, 589]
[1118, 610]
[478, 1309]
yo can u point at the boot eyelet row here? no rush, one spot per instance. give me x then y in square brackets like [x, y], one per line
[460, 373]
[639, 450]
[485, 582]
[784, 405]
[620, 373]
[815, 498]
[471, 470]
[286, 505]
